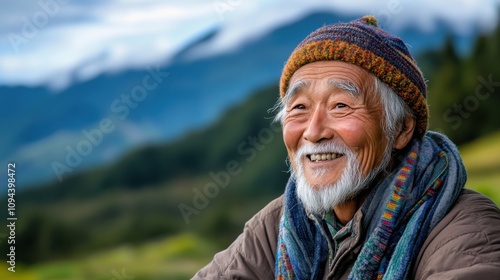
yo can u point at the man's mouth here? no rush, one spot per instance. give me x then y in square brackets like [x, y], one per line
[323, 156]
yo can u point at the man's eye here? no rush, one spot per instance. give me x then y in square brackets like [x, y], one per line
[340, 105]
[299, 106]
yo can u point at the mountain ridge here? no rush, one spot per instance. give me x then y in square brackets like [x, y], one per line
[193, 95]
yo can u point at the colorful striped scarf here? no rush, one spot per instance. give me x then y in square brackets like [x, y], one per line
[399, 214]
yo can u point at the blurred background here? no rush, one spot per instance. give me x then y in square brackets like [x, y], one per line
[141, 132]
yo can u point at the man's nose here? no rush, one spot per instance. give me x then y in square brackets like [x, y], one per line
[319, 126]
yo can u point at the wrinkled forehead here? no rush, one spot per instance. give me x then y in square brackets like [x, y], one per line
[334, 75]
[300, 85]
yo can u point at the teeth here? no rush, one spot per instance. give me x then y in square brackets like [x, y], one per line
[321, 157]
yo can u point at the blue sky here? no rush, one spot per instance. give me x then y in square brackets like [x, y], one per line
[54, 42]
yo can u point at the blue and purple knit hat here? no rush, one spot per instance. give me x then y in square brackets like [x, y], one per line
[362, 43]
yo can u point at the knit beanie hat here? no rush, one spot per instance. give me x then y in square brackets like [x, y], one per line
[362, 43]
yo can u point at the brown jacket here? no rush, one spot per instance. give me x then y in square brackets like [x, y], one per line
[464, 245]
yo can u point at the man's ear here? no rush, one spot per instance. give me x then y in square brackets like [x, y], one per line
[405, 134]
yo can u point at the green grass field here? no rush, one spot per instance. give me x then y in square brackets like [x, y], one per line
[482, 161]
[179, 257]
[175, 257]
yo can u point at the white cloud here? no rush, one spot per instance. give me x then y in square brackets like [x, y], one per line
[114, 38]
[241, 22]
[86, 38]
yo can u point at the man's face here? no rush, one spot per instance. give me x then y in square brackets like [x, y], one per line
[333, 104]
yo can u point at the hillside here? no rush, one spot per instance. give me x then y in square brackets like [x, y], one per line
[104, 207]
[483, 165]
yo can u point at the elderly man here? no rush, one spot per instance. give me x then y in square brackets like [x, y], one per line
[372, 193]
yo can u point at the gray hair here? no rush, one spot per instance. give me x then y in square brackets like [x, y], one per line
[395, 109]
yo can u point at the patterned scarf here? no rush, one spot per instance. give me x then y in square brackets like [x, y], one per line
[399, 214]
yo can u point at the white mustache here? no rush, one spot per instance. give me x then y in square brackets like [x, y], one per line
[322, 148]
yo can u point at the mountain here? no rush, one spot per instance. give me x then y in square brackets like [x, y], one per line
[52, 135]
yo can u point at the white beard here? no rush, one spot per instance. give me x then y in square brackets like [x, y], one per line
[323, 198]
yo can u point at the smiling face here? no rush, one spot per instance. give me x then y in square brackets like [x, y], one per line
[332, 111]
